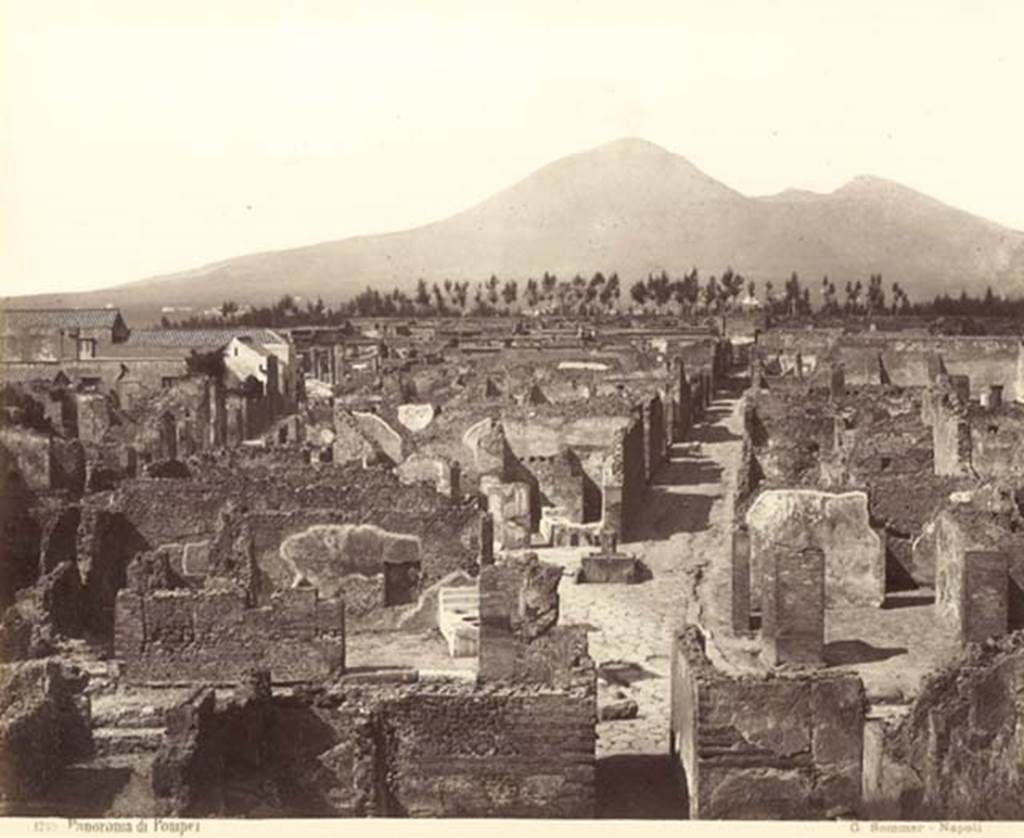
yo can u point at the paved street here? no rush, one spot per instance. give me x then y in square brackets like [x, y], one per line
[686, 524]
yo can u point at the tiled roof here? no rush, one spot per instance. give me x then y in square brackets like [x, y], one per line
[58, 318]
[200, 338]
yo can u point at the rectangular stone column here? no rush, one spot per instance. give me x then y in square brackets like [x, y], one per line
[740, 579]
[793, 606]
[995, 396]
[962, 387]
[837, 381]
[971, 594]
[498, 645]
[986, 595]
[486, 529]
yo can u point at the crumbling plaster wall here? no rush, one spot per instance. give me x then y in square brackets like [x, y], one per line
[838, 524]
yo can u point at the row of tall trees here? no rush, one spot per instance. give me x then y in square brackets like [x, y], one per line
[658, 293]
[548, 294]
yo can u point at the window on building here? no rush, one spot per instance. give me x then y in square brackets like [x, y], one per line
[86, 348]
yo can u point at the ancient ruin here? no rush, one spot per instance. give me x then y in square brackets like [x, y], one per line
[406, 569]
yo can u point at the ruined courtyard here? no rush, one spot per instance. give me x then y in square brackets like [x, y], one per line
[435, 568]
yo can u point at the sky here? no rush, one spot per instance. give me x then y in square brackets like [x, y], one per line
[140, 138]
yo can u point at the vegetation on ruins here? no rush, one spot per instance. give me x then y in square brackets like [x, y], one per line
[604, 295]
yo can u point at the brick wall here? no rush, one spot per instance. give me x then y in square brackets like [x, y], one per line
[213, 635]
[417, 750]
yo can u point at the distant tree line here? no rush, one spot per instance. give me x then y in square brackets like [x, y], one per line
[600, 295]
[285, 312]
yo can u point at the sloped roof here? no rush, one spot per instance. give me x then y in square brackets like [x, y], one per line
[201, 338]
[58, 318]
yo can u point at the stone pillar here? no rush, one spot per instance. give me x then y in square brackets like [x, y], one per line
[645, 418]
[218, 429]
[611, 489]
[995, 396]
[609, 541]
[273, 387]
[130, 460]
[972, 594]
[935, 367]
[493, 456]
[756, 369]
[1019, 378]
[793, 606]
[740, 579]
[449, 480]
[498, 644]
[679, 386]
[486, 529]
[986, 595]
[962, 387]
[837, 382]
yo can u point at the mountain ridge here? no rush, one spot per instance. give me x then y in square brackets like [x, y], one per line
[628, 206]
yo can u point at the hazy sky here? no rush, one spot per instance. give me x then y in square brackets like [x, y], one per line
[146, 137]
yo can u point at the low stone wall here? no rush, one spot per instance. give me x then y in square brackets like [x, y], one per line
[213, 635]
[415, 750]
[778, 747]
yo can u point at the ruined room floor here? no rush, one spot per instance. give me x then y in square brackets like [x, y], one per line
[892, 648]
[426, 651]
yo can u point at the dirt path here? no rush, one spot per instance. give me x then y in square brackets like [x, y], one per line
[685, 527]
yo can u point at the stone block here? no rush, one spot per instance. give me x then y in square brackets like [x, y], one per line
[623, 570]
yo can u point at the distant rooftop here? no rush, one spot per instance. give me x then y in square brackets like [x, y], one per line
[201, 338]
[61, 318]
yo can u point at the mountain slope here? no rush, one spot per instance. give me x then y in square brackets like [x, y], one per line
[632, 207]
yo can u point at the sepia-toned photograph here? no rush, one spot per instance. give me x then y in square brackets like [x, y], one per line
[533, 412]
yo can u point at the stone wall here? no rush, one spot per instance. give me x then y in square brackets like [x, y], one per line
[380, 563]
[215, 635]
[838, 524]
[43, 462]
[780, 747]
[904, 360]
[443, 475]
[634, 488]
[562, 483]
[185, 511]
[44, 724]
[958, 754]
[997, 442]
[976, 558]
[415, 750]
[511, 505]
